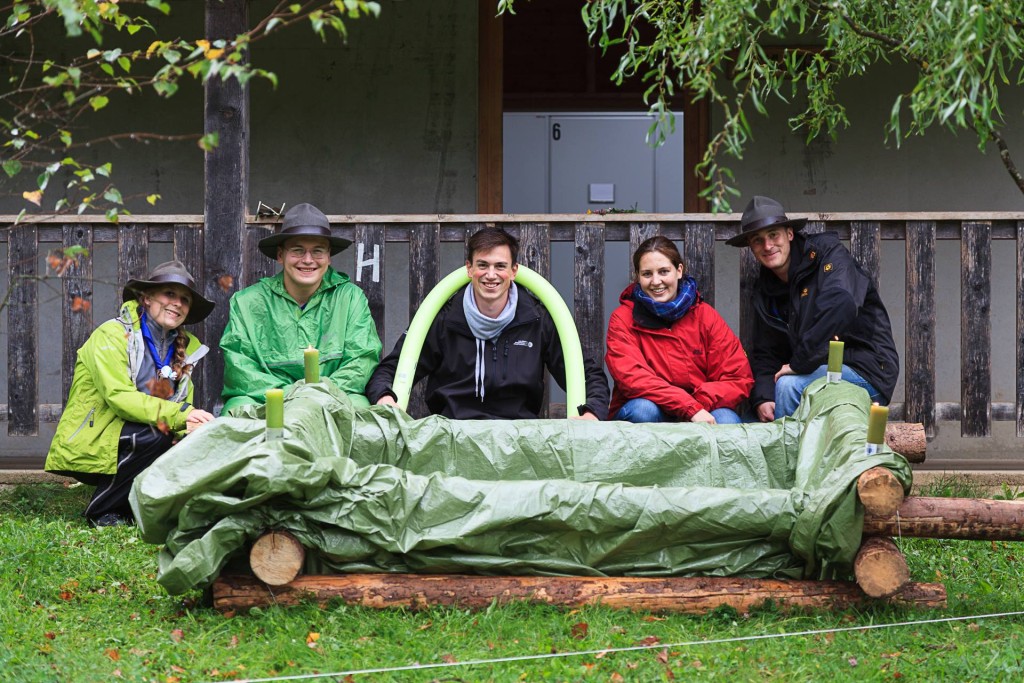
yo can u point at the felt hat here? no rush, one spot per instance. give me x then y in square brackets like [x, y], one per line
[302, 220]
[761, 213]
[174, 273]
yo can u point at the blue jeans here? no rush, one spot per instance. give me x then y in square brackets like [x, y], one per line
[790, 388]
[639, 410]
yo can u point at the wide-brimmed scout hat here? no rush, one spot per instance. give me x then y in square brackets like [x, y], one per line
[171, 272]
[761, 213]
[302, 220]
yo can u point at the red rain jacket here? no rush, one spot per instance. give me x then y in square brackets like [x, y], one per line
[695, 363]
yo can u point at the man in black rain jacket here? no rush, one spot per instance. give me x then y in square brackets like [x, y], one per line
[810, 291]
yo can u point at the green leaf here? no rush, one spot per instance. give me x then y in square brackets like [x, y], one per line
[12, 167]
[113, 195]
[125, 64]
[104, 170]
[152, 199]
[209, 142]
[76, 75]
[98, 102]
[107, 69]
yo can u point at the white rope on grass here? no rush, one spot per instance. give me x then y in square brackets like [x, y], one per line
[610, 650]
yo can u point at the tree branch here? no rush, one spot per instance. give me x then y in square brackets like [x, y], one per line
[1004, 154]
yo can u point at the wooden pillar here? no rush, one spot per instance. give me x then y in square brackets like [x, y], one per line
[226, 112]
[489, 109]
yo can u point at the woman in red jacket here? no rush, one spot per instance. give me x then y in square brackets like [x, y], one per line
[671, 355]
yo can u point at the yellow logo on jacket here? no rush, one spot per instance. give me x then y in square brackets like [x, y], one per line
[803, 292]
[828, 267]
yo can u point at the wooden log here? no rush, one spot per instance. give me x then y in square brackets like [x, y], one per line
[684, 595]
[880, 568]
[909, 439]
[276, 558]
[879, 491]
[961, 518]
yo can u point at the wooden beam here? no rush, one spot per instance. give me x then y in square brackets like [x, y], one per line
[490, 123]
[684, 595]
[976, 330]
[226, 113]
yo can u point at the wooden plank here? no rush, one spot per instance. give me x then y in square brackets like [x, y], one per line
[76, 311]
[535, 248]
[699, 257]
[976, 330]
[22, 332]
[588, 292]
[535, 253]
[919, 353]
[226, 114]
[256, 264]
[369, 269]
[1020, 330]
[188, 248]
[865, 245]
[424, 274]
[132, 254]
[686, 595]
[638, 234]
[749, 271]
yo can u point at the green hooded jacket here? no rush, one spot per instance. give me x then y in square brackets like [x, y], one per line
[103, 397]
[267, 332]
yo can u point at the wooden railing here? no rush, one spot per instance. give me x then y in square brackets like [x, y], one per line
[696, 234]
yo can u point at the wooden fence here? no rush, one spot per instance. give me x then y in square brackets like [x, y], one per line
[696, 234]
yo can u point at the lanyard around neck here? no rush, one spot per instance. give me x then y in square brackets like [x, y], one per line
[162, 369]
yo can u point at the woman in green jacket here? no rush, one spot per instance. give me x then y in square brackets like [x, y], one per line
[131, 396]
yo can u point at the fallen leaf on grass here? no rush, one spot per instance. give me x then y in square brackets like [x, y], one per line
[50, 634]
[311, 639]
[425, 626]
[448, 659]
[852, 661]
[649, 640]
[651, 618]
[617, 677]
[112, 654]
[177, 634]
[662, 656]
[579, 630]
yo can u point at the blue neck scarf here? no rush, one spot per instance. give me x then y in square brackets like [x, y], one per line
[686, 296]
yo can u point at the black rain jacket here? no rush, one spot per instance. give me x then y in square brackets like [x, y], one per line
[514, 373]
[828, 295]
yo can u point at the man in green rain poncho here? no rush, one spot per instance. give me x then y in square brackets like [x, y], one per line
[307, 304]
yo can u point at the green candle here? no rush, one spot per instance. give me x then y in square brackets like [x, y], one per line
[275, 408]
[876, 425]
[311, 357]
[835, 358]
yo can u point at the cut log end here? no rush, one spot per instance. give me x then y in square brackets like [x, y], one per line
[880, 491]
[276, 558]
[880, 568]
[908, 439]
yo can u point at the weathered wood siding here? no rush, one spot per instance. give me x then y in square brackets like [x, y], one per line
[695, 234]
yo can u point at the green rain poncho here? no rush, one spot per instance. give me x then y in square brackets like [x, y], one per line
[267, 331]
[372, 490]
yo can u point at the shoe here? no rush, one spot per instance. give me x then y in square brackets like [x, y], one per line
[110, 519]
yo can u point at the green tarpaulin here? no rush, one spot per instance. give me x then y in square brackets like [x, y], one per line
[373, 490]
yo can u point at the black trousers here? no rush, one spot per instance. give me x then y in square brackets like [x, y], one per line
[139, 446]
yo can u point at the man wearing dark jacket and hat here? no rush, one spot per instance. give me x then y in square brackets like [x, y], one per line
[307, 304]
[810, 291]
[485, 353]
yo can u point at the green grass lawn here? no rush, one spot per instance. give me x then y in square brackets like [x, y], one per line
[82, 604]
